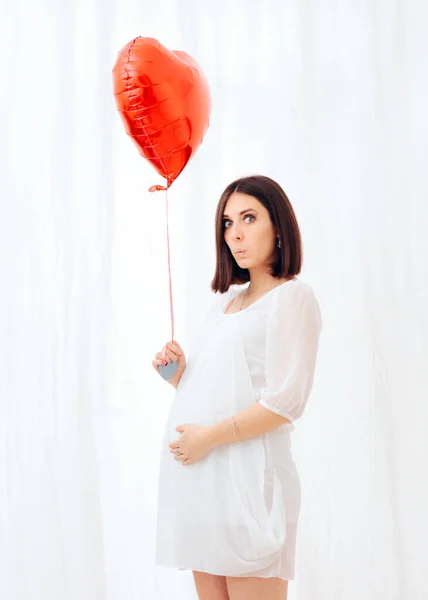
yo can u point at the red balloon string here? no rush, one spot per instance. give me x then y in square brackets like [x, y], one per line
[169, 267]
[156, 188]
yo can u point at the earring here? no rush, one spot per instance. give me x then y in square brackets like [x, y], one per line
[279, 243]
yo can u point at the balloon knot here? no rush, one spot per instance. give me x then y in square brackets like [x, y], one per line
[157, 188]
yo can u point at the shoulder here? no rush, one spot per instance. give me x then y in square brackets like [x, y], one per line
[297, 297]
[296, 289]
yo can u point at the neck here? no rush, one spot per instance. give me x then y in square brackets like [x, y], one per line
[262, 283]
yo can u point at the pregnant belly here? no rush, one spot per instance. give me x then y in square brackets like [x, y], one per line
[215, 385]
[199, 401]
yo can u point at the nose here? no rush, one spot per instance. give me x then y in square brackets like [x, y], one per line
[235, 233]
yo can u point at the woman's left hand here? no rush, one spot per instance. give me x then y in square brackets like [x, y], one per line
[194, 444]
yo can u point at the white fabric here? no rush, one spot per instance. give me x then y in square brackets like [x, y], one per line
[235, 512]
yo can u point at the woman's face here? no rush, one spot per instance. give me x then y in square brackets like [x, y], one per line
[247, 226]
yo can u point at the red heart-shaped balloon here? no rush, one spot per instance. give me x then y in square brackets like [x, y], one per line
[164, 101]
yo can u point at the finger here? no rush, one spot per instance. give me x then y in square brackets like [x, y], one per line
[171, 355]
[168, 355]
[175, 348]
[158, 363]
[178, 346]
[179, 457]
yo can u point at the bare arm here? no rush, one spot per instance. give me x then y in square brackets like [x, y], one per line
[250, 423]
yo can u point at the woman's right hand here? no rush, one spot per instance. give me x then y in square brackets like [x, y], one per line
[173, 353]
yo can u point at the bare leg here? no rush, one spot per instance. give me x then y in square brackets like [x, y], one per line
[210, 587]
[254, 588]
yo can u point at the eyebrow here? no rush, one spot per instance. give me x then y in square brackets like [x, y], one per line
[242, 212]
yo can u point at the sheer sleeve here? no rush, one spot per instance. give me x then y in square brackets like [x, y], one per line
[292, 337]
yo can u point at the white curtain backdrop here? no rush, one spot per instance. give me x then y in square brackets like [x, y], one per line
[330, 99]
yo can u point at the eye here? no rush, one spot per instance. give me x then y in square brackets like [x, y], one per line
[225, 221]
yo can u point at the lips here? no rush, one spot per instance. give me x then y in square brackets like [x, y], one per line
[239, 252]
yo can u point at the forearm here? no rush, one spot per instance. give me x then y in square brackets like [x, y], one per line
[250, 423]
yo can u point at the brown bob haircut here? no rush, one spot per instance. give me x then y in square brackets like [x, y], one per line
[288, 261]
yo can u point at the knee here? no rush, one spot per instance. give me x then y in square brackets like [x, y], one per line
[210, 587]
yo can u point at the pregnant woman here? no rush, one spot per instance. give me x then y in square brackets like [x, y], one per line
[229, 491]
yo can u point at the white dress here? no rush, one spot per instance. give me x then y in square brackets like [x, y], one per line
[235, 512]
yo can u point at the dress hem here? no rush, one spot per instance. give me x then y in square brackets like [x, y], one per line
[223, 574]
